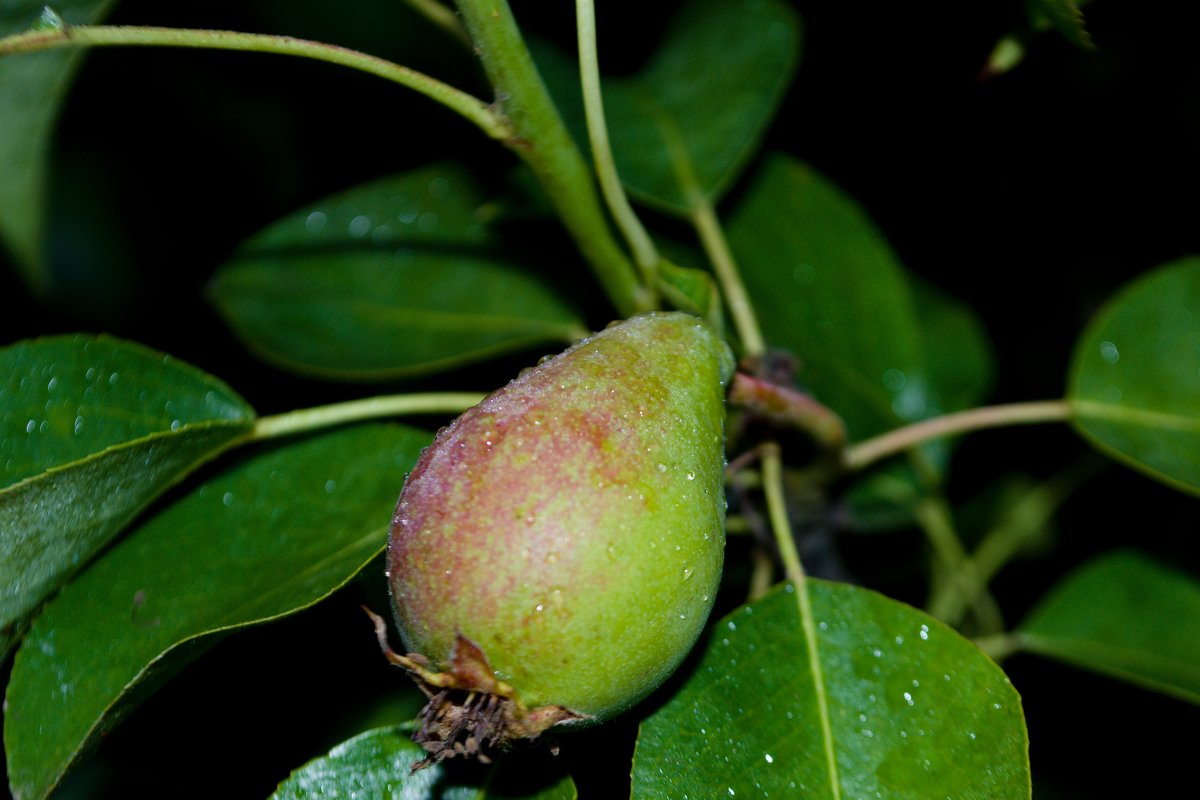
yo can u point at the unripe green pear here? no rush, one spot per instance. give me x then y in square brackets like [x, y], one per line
[557, 548]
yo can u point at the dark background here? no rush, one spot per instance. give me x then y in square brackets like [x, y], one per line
[1032, 196]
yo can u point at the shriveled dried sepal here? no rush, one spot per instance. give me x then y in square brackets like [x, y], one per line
[470, 714]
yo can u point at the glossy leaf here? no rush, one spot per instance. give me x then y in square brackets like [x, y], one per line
[389, 279]
[32, 87]
[828, 288]
[1135, 376]
[376, 765]
[266, 537]
[915, 711]
[701, 104]
[91, 430]
[1125, 616]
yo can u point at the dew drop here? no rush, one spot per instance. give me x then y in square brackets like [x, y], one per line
[691, 476]
[360, 226]
[315, 222]
[49, 20]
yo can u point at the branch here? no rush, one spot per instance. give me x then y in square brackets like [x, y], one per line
[472, 108]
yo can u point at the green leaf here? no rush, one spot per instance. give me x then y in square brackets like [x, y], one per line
[914, 710]
[267, 537]
[1062, 15]
[1125, 616]
[92, 429]
[376, 764]
[32, 88]
[828, 288]
[389, 279]
[1135, 376]
[702, 103]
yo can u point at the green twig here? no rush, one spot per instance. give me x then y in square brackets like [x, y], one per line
[867, 452]
[645, 254]
[542, 141]
[772, 469]
[1021, 521]
[472, 108]
[328, 416]
[963, 586]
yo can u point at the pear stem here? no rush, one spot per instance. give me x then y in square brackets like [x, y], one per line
[645, 254]
[716, 247]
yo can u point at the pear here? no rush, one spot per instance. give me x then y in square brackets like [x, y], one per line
[556, 550]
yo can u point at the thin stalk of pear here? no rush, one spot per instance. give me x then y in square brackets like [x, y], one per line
[471, 108]
[772, 469]
[716, 247]
[645, 254]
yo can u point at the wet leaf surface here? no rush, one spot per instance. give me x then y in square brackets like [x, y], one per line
[92, 429]
[392, 278]
[914, 710]
[265, 537]
[1135, 376]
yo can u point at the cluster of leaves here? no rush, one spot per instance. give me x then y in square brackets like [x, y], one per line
[147, 509]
